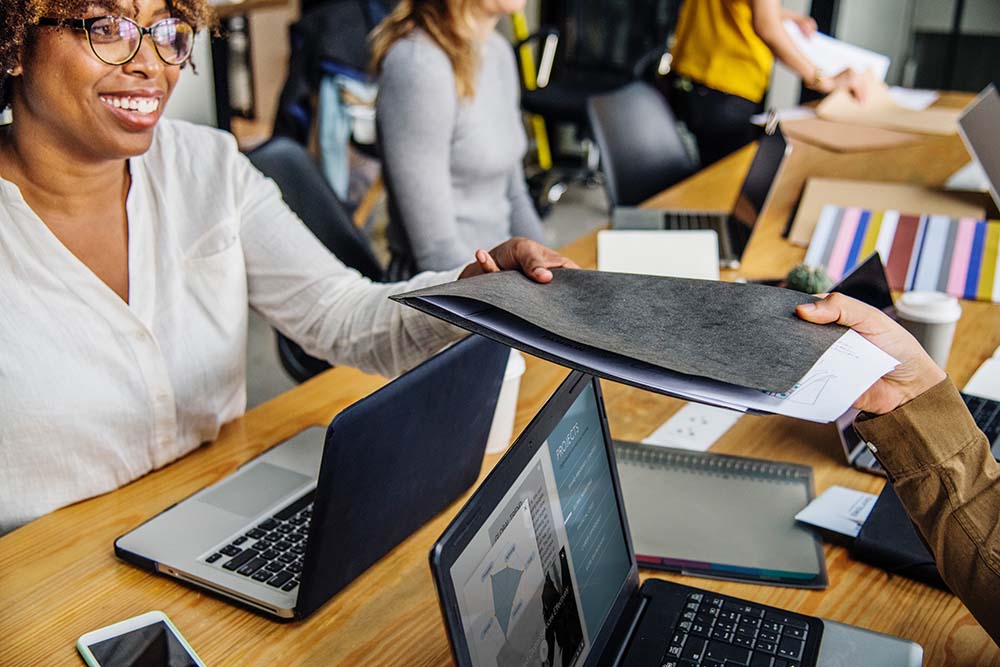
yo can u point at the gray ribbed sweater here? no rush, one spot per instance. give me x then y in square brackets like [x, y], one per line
[453, 166]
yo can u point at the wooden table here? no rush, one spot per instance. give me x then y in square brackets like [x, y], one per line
[59, 577]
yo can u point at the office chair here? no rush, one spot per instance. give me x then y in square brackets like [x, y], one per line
[307, 193]
[641, 150]
[598, 46]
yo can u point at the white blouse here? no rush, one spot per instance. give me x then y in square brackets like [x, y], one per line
[95, 392]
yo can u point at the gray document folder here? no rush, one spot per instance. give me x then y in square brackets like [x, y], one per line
[602, 323]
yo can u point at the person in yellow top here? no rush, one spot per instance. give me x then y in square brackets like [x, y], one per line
[721, 64]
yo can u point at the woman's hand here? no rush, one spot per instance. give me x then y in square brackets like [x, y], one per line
[856, 83]
[531, 258]
[806, 24]
[916, 372]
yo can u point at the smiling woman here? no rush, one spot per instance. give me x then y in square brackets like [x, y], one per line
[18, 16]
[131, 250]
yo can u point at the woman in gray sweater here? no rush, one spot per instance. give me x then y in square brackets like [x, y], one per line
[450, 132]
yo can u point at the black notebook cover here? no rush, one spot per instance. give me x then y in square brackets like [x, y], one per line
[889, 540]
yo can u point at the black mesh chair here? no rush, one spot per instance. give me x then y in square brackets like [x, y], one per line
[306, 192]
[598, 46]
[641, 151]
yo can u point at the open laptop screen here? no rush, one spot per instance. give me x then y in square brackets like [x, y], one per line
[980, 126]
[760, 178]
[535, 583]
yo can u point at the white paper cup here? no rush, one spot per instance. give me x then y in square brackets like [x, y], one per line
[503, 418]
[931, 318]
[362, 123]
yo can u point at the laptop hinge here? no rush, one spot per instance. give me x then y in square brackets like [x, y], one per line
[633, 626]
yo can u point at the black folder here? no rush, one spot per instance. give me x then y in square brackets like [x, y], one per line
[889, 540]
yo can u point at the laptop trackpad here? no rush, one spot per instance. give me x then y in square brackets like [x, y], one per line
[847, 646]
[254, 489]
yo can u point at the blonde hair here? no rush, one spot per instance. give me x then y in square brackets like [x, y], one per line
[447, 22]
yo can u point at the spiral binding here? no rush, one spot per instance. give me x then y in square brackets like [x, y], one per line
[712, 464]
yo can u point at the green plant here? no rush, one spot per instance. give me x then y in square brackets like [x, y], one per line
[808, 279]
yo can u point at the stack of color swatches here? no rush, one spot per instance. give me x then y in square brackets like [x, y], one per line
[960, 256]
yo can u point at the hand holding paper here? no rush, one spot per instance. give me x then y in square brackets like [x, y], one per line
[833, 56]
[915, 373]
[880, 110]
[727, 344]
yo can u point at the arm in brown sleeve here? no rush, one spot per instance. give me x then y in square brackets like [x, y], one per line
[949, 483]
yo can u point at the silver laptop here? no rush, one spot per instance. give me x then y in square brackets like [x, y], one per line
[734, 228]
[979, 127]
[291, 528]
[539, 569]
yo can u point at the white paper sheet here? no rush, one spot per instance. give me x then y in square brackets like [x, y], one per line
[833, 56]
[681, 254]
[845, 371]
[839, 509]
[986, 381]
[914, 99]
[695, 426]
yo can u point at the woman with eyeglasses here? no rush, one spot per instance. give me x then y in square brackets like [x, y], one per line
[131, 249]
[450, 131]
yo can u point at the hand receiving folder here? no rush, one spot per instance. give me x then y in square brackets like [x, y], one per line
[733, 345]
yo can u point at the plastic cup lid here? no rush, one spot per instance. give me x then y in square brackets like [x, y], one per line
[928, 307]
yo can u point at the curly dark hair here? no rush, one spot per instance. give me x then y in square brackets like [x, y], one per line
[17, 17]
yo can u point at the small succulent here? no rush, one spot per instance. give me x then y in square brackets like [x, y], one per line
[808, 279]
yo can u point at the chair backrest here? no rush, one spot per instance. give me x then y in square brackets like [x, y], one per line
[641, 150]
[308, 194]
[608, 34]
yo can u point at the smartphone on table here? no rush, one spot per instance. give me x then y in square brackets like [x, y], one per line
[149, 640]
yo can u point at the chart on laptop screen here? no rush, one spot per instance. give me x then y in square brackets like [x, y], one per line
[535, 584]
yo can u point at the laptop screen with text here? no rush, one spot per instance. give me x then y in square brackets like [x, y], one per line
[535, 584]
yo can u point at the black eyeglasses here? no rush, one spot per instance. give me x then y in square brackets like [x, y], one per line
[116, 39]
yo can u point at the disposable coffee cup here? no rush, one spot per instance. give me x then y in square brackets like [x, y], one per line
[931, 318]
[502, 428]
[362, 123]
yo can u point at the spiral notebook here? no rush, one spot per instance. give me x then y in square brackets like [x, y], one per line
[719, 516]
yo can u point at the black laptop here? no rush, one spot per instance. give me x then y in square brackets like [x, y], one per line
[538, 569]
[735, 227]
[291, 528]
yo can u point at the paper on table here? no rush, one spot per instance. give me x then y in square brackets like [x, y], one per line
[913, 99]
[839, 509]
[879, 110]
[842, 373]
[833, 56]
[845, 138]
[695, 426]
[986, 381]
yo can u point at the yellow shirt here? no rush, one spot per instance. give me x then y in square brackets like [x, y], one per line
[717, 46]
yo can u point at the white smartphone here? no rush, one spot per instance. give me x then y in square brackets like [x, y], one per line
[149, 640]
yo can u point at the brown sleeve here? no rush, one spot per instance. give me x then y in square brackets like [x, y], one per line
[949, 483]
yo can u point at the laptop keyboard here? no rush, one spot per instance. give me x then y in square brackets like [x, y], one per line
[986, 412]
[679, 220]
[716, 632]
[271, 551]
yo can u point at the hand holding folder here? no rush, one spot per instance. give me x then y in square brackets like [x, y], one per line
[733, 345]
